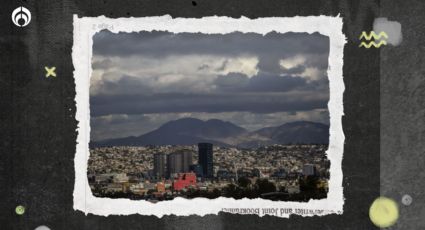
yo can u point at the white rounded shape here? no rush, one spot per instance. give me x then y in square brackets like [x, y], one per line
[21, 13]
[406, 199]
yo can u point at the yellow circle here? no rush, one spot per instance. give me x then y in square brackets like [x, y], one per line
[383, 212]
[20, 210]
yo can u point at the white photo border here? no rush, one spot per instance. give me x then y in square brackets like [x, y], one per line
[86, 27]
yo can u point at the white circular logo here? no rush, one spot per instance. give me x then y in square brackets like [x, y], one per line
[21, 16]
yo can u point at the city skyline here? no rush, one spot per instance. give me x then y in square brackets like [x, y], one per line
[156, 173]
[168, 165]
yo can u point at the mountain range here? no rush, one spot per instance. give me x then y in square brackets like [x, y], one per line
[190, 131]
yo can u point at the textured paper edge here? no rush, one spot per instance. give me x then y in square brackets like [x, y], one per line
[86, 27]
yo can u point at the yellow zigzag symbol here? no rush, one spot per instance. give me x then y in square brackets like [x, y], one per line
[372, 43]
[372, 34]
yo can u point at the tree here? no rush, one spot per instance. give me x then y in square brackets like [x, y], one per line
[229, 190]
[283, 189]
[310, 190]
[308, 184]
[265, 186]
[244, 182]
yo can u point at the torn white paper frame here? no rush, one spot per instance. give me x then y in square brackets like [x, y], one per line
[84, 30]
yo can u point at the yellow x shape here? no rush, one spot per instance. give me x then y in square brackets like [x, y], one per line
[50, 71]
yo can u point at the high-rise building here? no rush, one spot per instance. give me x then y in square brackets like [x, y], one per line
[187, 160]
[197, 169]
[179, 162]
[159, 165]
[205, 151]
[174, 164]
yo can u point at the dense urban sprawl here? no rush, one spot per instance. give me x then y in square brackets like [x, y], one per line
[278, 172]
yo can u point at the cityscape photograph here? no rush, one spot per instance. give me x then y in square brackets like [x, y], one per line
[191, 115]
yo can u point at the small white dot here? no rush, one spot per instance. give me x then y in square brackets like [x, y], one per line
[406, 199]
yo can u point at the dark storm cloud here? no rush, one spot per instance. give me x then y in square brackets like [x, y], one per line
[135, 95]
[270, 48]
[104, 64]
[232, 82]
[209, 103]
[273, 83]
[263, 93]
[270, 62]
[150, 78]
[263, 82]
[158, 44]
[125, 85]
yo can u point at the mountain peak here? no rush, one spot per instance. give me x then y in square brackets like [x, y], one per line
[297, 123]
[190, 131]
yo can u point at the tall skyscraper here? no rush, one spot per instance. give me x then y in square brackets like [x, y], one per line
[197, 169]
[187, 160]
[174, 164]
[205, 153]
[179, 162]
[159, 165]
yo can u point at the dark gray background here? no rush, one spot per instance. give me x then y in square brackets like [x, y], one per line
[38, 136]
[403, 113]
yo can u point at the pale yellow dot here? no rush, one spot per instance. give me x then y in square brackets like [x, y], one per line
[383, 212]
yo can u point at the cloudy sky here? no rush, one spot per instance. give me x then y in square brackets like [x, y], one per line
[142, 80]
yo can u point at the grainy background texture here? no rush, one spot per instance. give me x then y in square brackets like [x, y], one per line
[383, 123]
[402, 74]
